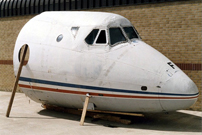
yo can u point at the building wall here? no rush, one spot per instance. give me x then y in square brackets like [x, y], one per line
[173, 28]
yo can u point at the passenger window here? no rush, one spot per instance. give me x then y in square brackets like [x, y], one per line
[116, 35]
[130, 32]
[91, 37]
[101, 38]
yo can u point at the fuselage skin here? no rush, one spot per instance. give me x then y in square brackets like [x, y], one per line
[128, 77]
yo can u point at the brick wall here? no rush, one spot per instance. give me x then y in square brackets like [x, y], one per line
[173, 28]
[9, 30]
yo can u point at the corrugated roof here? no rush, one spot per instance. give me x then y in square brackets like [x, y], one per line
[28, 7]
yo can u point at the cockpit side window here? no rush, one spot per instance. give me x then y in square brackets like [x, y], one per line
[116, 35]
[101, 38]
[91, 37]
[130, 32]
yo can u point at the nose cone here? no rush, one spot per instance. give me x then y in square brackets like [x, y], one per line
[178, 92]
[180, 83]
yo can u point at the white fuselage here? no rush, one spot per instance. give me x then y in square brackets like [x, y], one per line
[128, 76]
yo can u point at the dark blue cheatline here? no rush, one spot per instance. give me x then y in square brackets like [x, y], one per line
[99, 88]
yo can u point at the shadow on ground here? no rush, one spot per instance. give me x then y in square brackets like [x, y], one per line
[173, 121]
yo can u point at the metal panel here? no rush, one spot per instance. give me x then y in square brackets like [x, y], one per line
[91, 3]
[131, 2]
[72, 5]
[138, 1]
[28, 5]
[15, 7]
[97, 3]
[47, 3]
[32, 6]
[64, 5]
[116, 2]
[79, 2]
[37, 6]
[23, 7]
[41, 6]
[1, 1]
[146, 1]
[110, 3]
[18, 11]
[85, 4]
[68, 4]
[3, 8]
[53, 5]
[76, 4]
[124, 2]
[57, 5]
[11, 7]
[6, 8]
[61, 5]
[50, 5]
[103, 3]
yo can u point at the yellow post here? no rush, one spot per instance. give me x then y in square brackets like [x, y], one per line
[16, 81]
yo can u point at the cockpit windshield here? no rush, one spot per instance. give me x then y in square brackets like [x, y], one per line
[91, 37]
[116, 35]
[96, 37]
[130, 32]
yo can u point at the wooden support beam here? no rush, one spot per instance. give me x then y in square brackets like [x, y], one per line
[97, 114]
[16, 81]
[84, 109]
[119, 113]
[112, 118]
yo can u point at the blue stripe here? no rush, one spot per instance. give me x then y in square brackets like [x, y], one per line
[98, 88]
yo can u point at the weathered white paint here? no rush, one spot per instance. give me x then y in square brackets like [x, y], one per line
[113, 72]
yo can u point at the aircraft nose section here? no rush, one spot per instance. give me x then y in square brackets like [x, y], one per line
[183, 92]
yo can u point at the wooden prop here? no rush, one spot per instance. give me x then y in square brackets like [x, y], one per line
[16, 81]
[84, 109]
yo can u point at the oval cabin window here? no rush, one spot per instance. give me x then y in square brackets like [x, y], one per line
[59, 38]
